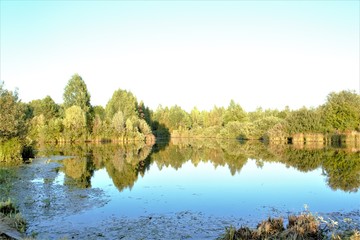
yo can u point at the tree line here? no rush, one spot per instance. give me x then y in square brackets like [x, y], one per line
[125, 119]
[340, 114]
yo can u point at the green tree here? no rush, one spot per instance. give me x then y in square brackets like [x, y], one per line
[12, 126]
[12, 115]
[76, 94]
[304, 121]
[342, 111]
[262, 126]
[118, 124]
[75, 124]
[144, 112]
[178, 119]
[196, 118]
[123, 101]
[100, 111]
[45, 106]
[214, 118]
[144, 128]
[99, 129]
[238, 130]
[234, 113]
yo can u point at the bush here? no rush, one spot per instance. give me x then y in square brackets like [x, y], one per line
[10, 151]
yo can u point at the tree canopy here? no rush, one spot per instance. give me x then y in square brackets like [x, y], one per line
[45, 106]
[12, 115]
[76, 94]
[342, 111]
[123, 101]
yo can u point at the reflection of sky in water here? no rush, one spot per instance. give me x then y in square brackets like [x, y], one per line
[59, 180]
[215, 191]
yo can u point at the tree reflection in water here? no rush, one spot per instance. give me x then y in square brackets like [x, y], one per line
[124, 163]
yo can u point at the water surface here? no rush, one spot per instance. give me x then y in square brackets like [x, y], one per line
[212, 183]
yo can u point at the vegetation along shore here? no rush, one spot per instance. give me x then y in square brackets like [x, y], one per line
[124, 119]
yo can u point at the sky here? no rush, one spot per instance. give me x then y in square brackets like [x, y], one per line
[268, 54]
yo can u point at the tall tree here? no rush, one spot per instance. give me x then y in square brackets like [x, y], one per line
[123, 101]
[76, 94]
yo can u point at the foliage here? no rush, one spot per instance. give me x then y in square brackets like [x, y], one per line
[123, 119]
[99, 111]
[45, 130]
[174, 118]
[144, 112]
[10, 151]
[304, 121]
[7, 177]
[215, 117]
[123, 101]
[12, 115]
[234, 112]
[118, 124]
[46, 107]
[237, 130]
[76, 94]
[342, 111]
[278, 133]
[197, 118]
[262, 126]
[75, 124]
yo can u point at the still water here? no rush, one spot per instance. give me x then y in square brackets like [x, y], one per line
[220, 179]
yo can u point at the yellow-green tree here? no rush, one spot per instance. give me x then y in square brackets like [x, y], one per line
[76, 94]
[75, 124]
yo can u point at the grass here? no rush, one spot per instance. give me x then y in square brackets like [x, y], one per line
[10, 211]
[7, 177]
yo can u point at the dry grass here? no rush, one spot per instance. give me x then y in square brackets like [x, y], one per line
[304, 226]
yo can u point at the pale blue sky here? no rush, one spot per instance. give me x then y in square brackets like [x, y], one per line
[190, 53]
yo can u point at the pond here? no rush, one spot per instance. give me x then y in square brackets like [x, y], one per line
[184, 189]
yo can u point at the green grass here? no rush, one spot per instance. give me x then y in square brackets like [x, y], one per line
[7, 177]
